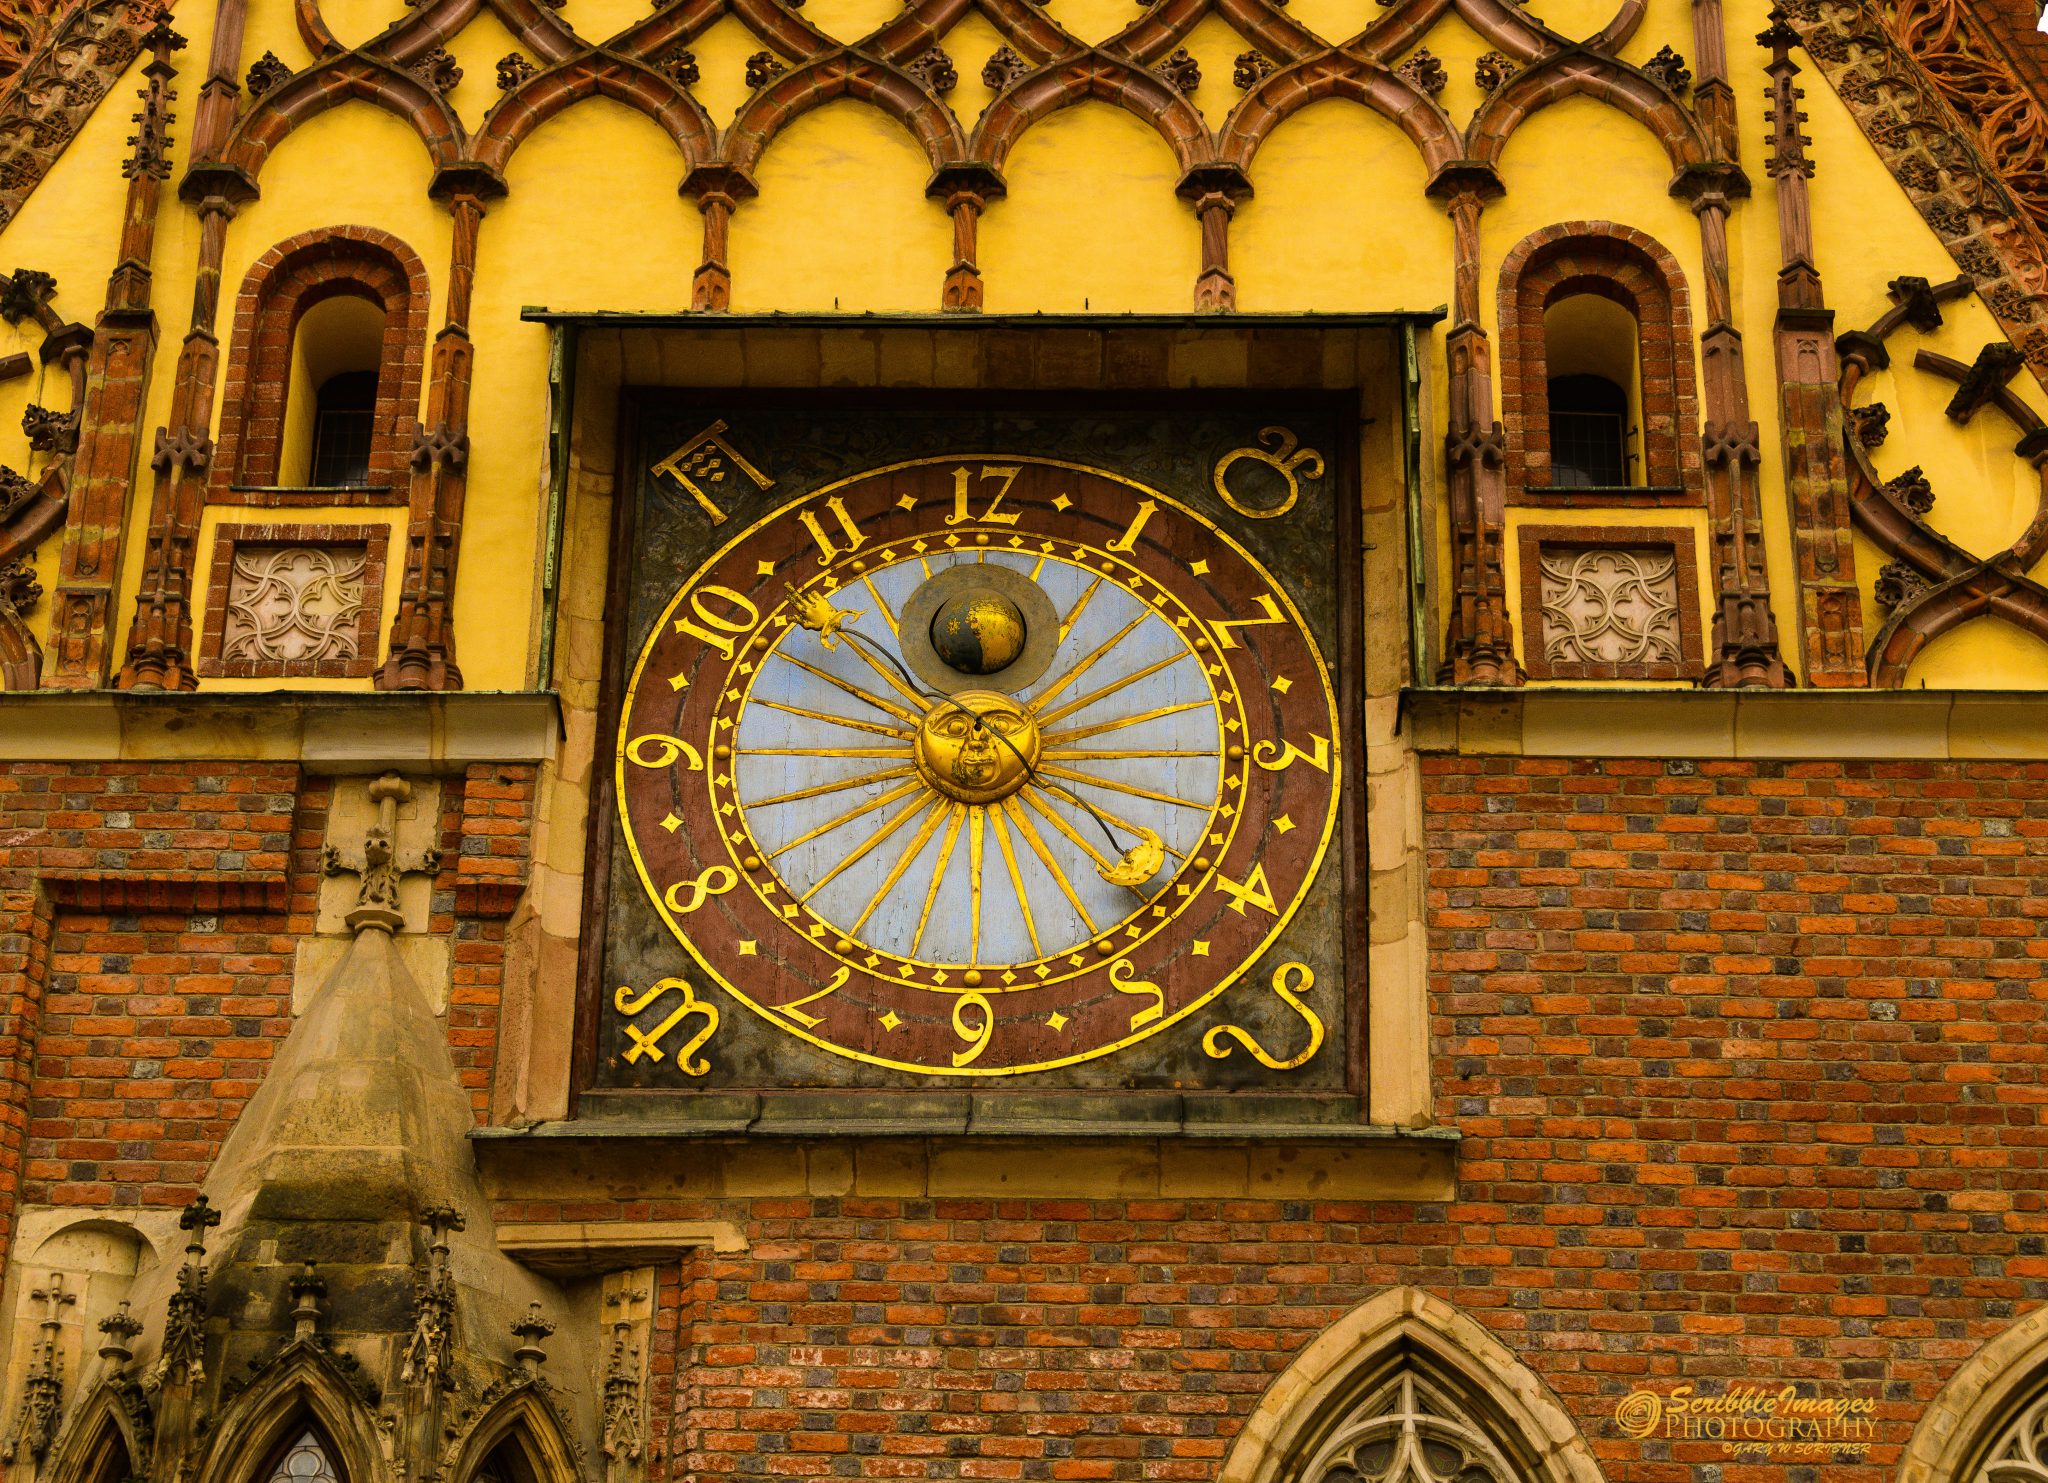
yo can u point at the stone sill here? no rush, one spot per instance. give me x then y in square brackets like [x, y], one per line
[1094, 1116]
[330, 732]
[585, 1161]
[1789, 725]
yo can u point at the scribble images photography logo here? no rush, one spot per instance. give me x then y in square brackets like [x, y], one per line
[1754, 1421]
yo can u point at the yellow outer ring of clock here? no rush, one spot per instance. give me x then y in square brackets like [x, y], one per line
[767, 1012]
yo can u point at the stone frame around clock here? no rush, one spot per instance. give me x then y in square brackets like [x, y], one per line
[1389, 1046]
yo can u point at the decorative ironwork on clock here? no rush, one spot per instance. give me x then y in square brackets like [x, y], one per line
[979, 765]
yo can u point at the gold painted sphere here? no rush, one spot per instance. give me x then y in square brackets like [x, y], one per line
[978, 632]
[978, 747]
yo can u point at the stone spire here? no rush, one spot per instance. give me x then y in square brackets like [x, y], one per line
[352, 1224]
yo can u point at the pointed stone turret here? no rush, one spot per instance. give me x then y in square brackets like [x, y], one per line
[351, 1218]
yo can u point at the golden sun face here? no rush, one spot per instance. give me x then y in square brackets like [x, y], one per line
[978, 746]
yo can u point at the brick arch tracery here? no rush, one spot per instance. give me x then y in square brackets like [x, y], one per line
[1633, 270]
[280, 287]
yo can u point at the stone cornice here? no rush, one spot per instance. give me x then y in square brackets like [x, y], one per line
[331, 732]
[1832, 725]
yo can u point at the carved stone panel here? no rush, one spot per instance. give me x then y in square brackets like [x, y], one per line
[300, 601]
[1610, 603]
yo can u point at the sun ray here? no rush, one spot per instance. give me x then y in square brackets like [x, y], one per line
[1024, 827]
[847, 721]
[1130, 789]
[1086, 754]
[881, 602]
[938, 874]
[1080, 841]
[889, 676]
[1090, 661]
[910, 853]
[822, 788]
[860, 851]
[886, 707]
[1114, 820]
[1080, 605]
[902, 751]
[1016, 882]
[1081, 732]
[1046, 718]
[975, 820]
[913, 786]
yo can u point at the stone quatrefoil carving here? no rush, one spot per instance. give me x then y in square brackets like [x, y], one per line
[289, 604]
[1611, 607]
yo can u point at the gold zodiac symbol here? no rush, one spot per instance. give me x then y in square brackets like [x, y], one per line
[657, 750]
[1285, 456]
[712, 880]
[815, 612]
[709, 457]
[1127, 982]
[648, 1042]
[1289, 980]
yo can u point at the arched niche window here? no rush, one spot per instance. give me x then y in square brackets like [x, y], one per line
[323, 379]
[1589, 357]
[331, 403]
[1410, 1431]
[2019, 1453]
[1598, 393]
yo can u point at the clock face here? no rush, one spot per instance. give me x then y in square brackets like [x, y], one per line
[978, 765]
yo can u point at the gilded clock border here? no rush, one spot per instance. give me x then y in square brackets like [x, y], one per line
[1330, 814]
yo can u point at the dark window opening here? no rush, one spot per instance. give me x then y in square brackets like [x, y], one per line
[1588, 433]
[344, 421]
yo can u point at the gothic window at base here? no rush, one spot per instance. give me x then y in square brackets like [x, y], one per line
[1408, 1431]
[306, 1460]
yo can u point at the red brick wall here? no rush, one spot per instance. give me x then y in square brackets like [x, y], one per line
[146, 962]
[1748, 1059]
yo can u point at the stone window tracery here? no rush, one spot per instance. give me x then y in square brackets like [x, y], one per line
[307, 1460]
[1410, 1431]
[2020, 1455]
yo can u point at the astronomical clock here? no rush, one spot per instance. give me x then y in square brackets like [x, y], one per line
[982, 746]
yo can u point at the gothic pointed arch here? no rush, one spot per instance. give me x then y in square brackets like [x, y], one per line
[843, 75]
[1989, 1424]
[107, 1438]
[302, 1389]
[1403, 1376]
[521, 1437]
[1580, 70]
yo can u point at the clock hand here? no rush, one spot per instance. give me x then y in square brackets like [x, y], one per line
[813, 610]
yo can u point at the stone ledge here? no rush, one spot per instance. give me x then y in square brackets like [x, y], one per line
[326, 732]
[584, 1164]
[1788, 725]
[592, 1248]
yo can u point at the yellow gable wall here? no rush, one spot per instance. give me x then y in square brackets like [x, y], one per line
[1338, 222]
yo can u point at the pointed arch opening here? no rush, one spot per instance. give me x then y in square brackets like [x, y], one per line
[523, 1439]
[1406, 1389]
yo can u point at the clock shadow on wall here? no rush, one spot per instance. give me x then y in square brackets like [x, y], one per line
[994, 744]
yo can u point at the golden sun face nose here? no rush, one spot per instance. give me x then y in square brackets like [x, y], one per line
[978, 747]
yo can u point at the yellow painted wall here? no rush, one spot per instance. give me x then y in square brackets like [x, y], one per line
[1091, 221]
[1338, 221]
